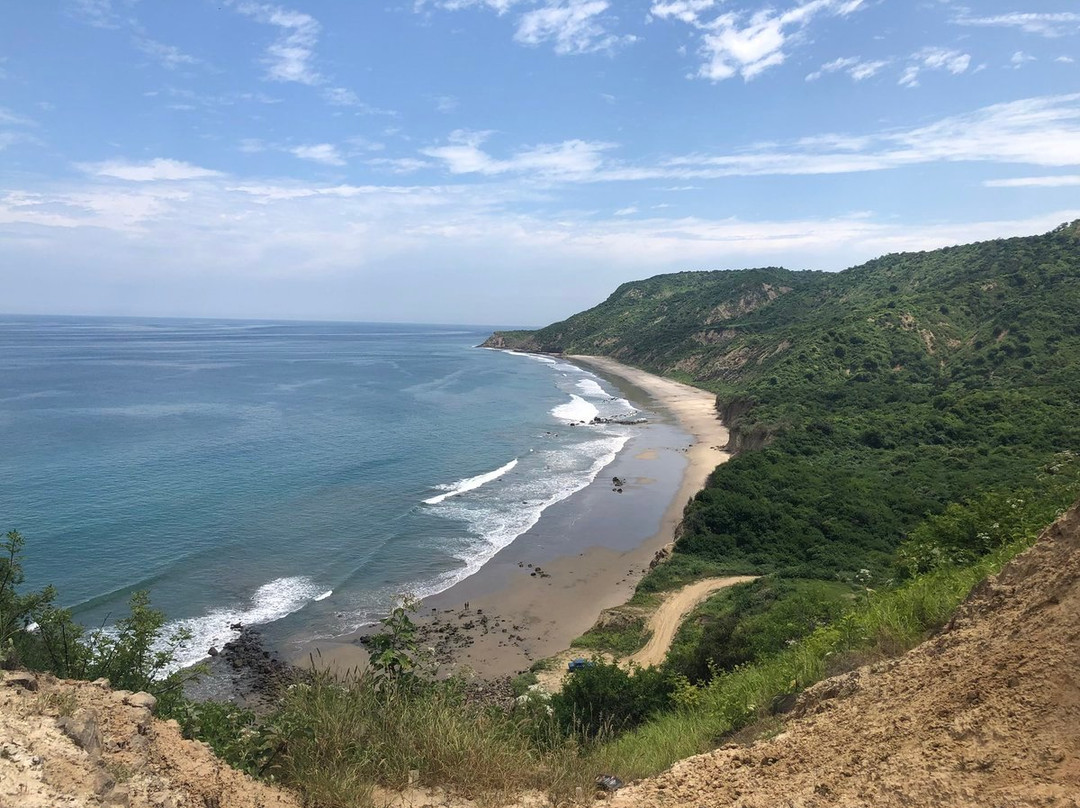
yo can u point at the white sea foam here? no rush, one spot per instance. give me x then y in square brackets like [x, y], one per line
[536, 357]
[576, 411]
[271, 601]
[591, 388]
[470, 483]
[324, 595]
[496, 523]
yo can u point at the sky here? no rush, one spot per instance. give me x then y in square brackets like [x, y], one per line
[509, 161]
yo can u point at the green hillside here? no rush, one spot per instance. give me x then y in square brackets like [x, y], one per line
[870, 397]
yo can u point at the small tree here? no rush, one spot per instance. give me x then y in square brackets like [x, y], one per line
[394, 652]
[16, 611]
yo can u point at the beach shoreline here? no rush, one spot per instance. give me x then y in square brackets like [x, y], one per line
[514, 612]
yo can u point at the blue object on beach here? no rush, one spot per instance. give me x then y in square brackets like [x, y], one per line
[578, 664]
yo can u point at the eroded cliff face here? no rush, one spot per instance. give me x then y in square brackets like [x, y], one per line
[985, 714]
[82, 744]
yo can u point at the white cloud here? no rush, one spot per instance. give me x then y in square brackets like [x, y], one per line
[157, 170]
[1019, 59]
[498, 6]
[1042, 131]
[1059, 181]
[571, 26]
[857, 68]
[1065, 60]
[169, 56]
[1042, 24]
[569, 160]
[374, 246]
[574, 26]
[324, 153]
[744, 43]
[630, 210]
[688, 11]
[290, 56]
[400, 165]
[951, 61]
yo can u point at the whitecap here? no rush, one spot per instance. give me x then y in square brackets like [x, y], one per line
[470, 483]
[576, 411]
[271, 601]
[497, 523]
[591, 388]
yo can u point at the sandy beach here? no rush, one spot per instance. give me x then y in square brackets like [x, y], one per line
[520, 610]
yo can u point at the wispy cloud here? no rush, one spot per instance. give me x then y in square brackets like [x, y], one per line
[949, 60]
[747, 43]
[1019, 59]
[325, 153]
[358, 238]
[98, 13]
[572, 26]
[1043, 24]
[1042, 131]
[11, 118]
[569, 160]
[169, 56]
[157, 170]
[290, 57]
[856, 67]
[1059, 181]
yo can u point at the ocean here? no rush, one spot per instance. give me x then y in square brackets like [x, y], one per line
[261, 471]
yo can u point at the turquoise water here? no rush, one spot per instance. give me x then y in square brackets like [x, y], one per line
[249, 471]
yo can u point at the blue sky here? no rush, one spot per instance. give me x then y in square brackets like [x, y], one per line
[509, 161]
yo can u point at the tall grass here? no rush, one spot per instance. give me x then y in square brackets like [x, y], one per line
[879, 625]
[339, 737]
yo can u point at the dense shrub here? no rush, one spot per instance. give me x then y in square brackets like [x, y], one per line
[605, 699]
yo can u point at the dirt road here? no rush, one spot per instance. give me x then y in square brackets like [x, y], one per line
[667, 619]
[663, 624]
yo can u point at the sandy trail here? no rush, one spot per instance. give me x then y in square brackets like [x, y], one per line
[663, 624]
[667, 619]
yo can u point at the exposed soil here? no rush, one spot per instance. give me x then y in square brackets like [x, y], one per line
[81, 744]
[985, 714]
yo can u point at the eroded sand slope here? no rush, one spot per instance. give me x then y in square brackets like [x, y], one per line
[81, 744]
[985, 714]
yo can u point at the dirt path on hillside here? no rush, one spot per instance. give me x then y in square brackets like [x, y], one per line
[667, 619]
[663, 624]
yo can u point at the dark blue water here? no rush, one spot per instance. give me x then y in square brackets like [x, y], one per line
[251, 470]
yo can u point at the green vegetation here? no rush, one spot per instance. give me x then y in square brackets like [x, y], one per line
[619, 637]
[904, 428]
[751, 621]
[869, 397]
[38, 634]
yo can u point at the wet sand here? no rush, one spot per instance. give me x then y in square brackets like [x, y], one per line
[550, 585]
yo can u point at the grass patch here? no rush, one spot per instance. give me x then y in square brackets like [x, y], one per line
[621, 639]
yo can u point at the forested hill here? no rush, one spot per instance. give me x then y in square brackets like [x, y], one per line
[880, 394]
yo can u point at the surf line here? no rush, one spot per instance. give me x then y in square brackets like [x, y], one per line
[471, 483]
